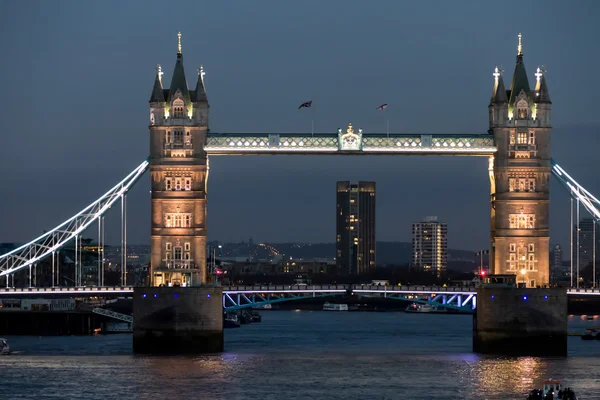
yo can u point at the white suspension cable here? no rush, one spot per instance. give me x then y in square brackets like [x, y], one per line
[51, 241]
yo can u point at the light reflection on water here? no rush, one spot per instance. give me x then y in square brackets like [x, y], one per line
[302, 355]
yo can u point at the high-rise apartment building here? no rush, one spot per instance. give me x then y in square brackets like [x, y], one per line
[430, 246]
[587, 236]
[355, 223]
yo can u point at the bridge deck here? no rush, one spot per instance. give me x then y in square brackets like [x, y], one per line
[128, 290]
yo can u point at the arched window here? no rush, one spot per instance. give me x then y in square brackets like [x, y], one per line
[178, 109]
[522, 109]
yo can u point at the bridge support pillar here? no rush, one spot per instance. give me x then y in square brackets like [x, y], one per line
[520, 322]
[177, 320]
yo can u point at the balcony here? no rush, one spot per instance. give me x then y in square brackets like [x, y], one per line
[176, 265]
[178, 146]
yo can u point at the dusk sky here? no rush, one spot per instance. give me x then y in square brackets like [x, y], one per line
[77, 78]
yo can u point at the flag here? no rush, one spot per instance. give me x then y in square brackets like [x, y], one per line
[479, 253]
[306, 104]
[382, 107]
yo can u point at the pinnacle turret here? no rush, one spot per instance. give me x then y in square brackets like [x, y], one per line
[158, 95]
[499, 91]
[541, 88]
[200, 93]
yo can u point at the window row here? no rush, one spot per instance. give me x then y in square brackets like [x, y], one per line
[186, 246]
[521, 184]
[522, 138]
[177, 137]
[521, 221]
[177, 254]
[178, 220]
[178, 183]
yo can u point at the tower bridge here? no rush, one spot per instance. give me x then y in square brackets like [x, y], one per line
[517, 144]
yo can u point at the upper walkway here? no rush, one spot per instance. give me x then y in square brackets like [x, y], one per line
[348, 143]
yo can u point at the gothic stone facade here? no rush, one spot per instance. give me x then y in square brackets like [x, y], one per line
[520, 174]
[179, 172]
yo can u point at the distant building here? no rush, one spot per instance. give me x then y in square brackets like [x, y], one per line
[587, 236]
[355, 223]
[430, 246]
[557, 269]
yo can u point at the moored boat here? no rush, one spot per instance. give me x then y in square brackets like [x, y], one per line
[424, 308]
[335, 307]
[4, 347]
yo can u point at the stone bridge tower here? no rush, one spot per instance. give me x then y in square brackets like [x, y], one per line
[179, 172]
[520, 172]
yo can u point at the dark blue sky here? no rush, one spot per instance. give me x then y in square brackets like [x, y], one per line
[77, 77]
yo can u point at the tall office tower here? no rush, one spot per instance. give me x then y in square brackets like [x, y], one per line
[355, 222]
[178, 171]
[519, 176]
[430, 246]
[587, 236]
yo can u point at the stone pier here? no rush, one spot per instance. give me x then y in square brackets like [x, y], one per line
[177, 320]
[520, 322]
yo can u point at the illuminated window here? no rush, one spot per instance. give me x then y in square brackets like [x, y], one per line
[532, 138]
[168, 137]
[511, 184]
[186, 256]
[522, 138]
[521, 221]
[177, 183]
[512, 247]
[178, 220]
[532, 184]
[512, 138]
[188, 138]
[169, 246]
[522, 113]
[531, 248]
[188, 183]
[187, 246]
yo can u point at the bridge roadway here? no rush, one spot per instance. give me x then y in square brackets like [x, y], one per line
[238, 297]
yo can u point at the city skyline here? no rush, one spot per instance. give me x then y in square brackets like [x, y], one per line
[63, 137]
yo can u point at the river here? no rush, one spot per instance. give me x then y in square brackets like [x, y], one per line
[299, 355]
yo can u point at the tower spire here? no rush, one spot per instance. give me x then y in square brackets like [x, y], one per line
[179, 42]
[519, 81]
[520, 46]
[541, 88]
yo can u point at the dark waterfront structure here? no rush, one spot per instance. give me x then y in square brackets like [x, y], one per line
[176, 320]
[355, 223]
[520, 322]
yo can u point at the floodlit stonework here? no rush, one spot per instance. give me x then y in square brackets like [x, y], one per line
[520, 172]
[179, 173]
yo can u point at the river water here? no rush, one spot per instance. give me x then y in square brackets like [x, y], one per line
[299, 355]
